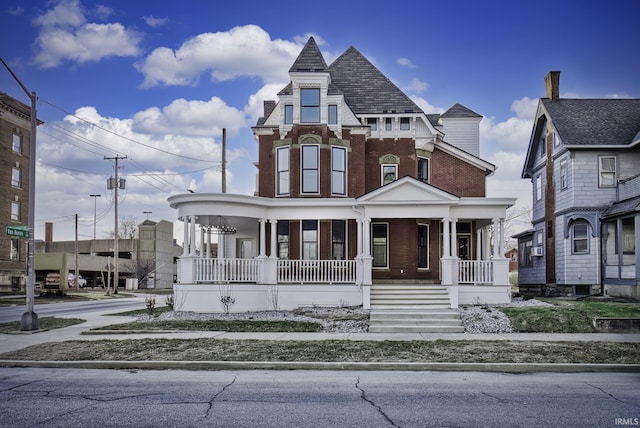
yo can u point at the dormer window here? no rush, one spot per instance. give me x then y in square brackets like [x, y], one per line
[288, 114]
[310, 105]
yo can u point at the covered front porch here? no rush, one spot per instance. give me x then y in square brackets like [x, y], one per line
[260, 267]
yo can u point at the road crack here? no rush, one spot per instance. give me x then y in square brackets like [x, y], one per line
[363, 395]
[611, 395]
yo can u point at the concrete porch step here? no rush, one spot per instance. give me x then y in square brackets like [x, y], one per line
[379, 315]
[416, 329]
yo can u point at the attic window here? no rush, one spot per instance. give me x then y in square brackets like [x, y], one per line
[373, 123]
[310, 105]
[405, 124]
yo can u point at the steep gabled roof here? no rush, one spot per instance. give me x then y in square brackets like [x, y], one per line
[459, 111]
[588, 122]
[366, 90]
[310, 58]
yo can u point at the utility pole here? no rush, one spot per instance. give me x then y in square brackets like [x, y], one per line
[95, 199]
[115, 184]
[29, 321]
[224, 160]
[76, 264]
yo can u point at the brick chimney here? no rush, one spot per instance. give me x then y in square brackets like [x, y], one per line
[552, 83]
[269, 105]
[48, 232]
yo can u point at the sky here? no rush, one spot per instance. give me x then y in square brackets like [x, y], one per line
[156, 82]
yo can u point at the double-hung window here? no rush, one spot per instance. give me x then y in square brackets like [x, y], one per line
[310, 165]
[16, 145]
[338, 171]
[15, 211]
[15, 249]
[372, 122]
[607, 171]
[282, 171]
[388, 124]
[333, 114]
[283, 239]
[405, 124]
[580, 238]
[379, 244]
[389, 173]
[288, 114]
[539, 188]
[338, 239]
[16, 177]
[423, 246]
[310, 105]
[309, 240]
[564, 174]
[423, 170]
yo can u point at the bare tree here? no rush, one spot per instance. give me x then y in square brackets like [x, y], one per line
[142, 268]
[127, 229]
[517, 220]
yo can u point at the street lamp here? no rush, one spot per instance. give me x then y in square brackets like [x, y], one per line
[95, 199]
[29, 319]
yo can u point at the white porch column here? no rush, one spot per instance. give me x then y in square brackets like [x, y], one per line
[209, 242]
[502, 240]
[274, 239]
[185, 237]
[487, 243]
[479, 244]
[367, 260]
[263, 244]
[359, 238]
[496, 238]
[446, 238]
[192, 241]
[202, 242]
[220, 246]
[454, 237]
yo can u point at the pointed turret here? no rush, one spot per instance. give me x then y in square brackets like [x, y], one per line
[310, 59]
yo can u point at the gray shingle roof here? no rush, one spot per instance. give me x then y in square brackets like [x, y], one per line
[366, 90]
[623, 207]
[606, 122]
[459, 111]
[310, 58]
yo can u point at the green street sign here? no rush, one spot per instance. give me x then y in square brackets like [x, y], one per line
[20, 231]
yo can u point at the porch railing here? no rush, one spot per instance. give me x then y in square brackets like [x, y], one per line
[475, 272]
[317, 271]
[227, 270]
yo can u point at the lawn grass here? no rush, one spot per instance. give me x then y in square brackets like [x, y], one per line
[135, 312]
[214, 325]
[45, 323]
[448, 351]
[567, 316]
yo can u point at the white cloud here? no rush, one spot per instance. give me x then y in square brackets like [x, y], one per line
[255, 107]
[242, 51]
[155, 22]
[512, 134]
[417, 86]
[65, 35]
[426, 107]
[16, 11]
[406, 62]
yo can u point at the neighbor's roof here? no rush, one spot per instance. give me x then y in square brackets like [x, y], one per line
[459, 111]
[623, 207]
[604, 122]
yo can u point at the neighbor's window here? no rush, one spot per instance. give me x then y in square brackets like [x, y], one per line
[388, 124]
[524, 253]
[288, 114]
[310, 166]
[379, 247]
[16, 177]
[543, 143]
[580, 238]
[389, 173]
[423, 246]
[282, 171]
[333, 114]
[338, 170]
[283, 239]
[309, 240]
[538, 187]
[309, 105]
[17, 143]
[373, 123]
[607, 171]
[15, 211]
[423, 170]
[338, 239]
[564, 174]
[628, 236]
[405, 124]
[15, 249]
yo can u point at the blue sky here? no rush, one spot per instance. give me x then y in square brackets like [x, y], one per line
[157, 82]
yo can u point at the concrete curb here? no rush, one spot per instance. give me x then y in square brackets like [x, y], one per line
[313, 365]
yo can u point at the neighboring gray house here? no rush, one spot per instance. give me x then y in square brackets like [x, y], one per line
[584, 163]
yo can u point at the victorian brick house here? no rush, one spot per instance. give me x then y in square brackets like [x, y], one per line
[362, 198]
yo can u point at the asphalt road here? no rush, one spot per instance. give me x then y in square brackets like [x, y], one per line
[14, 313]
[110, 398]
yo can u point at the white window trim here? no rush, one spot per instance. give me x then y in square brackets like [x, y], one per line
[19, 183]
[277, 170]
[395, 166]
[573, 238]
[386, 267]
[564, 165]
[428, 169]
[15, 203]
[344, 180]
[319, 106]
[615, 171]
[538, 187]
[302, 192]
